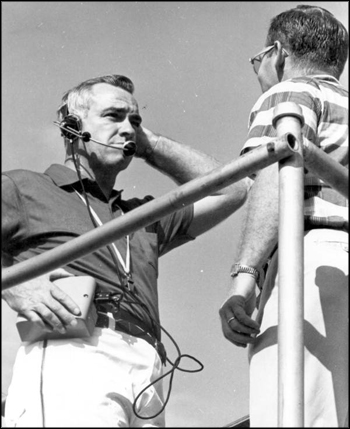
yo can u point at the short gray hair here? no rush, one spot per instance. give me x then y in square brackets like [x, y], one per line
[77, 100]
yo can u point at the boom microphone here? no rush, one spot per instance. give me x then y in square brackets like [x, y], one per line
[69, 131]
[129, 147]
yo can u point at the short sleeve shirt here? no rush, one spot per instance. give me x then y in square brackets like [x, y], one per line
[42, 211]
[324, 104]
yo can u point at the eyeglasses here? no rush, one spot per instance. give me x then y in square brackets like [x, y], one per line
[256, 60]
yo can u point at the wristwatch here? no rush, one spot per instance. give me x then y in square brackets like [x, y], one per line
[239, 268]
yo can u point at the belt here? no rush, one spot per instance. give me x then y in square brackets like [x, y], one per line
[330, 222]
[125, 322]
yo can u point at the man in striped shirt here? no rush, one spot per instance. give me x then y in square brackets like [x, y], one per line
[306, 51]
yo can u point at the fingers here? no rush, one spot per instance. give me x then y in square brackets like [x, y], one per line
[50, 315]
[239, 340]
[65, 300]
[33, 317]
[40, 300]
[43, 317]
[238, 333]
[58, 317]
[47, 303]
[246, 321]
[63, 308]
[237, 326]
[57, 309]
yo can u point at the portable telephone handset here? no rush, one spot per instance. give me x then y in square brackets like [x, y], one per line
[82, 290]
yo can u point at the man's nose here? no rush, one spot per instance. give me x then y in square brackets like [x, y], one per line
[126, 128]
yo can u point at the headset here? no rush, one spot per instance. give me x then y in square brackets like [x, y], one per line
[71, 127]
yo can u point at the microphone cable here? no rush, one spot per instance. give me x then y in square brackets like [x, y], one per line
[134, 299]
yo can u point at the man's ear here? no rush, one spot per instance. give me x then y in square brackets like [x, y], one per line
[279, 60]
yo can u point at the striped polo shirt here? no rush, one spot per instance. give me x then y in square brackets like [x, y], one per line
[324, 104]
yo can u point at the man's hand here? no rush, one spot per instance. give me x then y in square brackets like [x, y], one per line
[40, 300]
[146, 141]
[235, 313]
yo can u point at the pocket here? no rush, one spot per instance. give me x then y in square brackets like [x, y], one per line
[333, 239]
[335, 245]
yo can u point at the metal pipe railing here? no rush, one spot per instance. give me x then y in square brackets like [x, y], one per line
[326, 168]
[150, 212]
[291, 154]
[288, 116]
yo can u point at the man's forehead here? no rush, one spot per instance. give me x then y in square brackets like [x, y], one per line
[104, 94]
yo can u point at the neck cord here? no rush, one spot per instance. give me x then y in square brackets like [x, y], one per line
[86, 200]
[133, 299]
[125, 264]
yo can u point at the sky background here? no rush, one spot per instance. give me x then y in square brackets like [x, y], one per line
[194, 83]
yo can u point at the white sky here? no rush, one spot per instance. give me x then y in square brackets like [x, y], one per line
[189, 63]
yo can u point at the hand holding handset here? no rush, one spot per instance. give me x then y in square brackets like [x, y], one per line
[82, 290]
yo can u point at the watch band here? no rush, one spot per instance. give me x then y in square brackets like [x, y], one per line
[239, 268]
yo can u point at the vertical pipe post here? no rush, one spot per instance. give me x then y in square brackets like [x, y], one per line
[288, 119]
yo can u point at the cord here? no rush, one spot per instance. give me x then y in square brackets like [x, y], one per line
[42, 382]
[171, 372]
[135, 300]
[89, 211]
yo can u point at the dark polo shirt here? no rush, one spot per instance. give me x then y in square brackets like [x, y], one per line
[42, 211]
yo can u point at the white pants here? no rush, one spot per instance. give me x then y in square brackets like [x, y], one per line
[88, 382]
[325, 337]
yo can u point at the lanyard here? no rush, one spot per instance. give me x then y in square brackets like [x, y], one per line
[125, 264]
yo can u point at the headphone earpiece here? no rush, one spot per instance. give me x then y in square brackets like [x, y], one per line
[71, 129]
[72, 122]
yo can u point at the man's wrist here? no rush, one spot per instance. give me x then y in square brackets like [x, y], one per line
[243, 284]
[149, 153]
[238, 268]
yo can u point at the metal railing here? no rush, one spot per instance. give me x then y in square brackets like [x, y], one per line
[242, 422]
[291, 271]
[289, 150]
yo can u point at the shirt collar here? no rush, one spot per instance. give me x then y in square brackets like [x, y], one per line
[326, 77]
[64, 176]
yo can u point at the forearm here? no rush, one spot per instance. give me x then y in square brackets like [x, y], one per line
[183, 163]
[180, 162]
[259, 236]
[260, 227]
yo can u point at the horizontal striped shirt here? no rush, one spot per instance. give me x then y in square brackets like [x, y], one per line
[324, 104]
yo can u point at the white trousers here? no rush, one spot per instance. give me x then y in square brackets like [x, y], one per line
[325, 336]
[88, 382]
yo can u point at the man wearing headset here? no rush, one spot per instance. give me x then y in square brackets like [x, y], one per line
[305, 54]
[99, 380]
